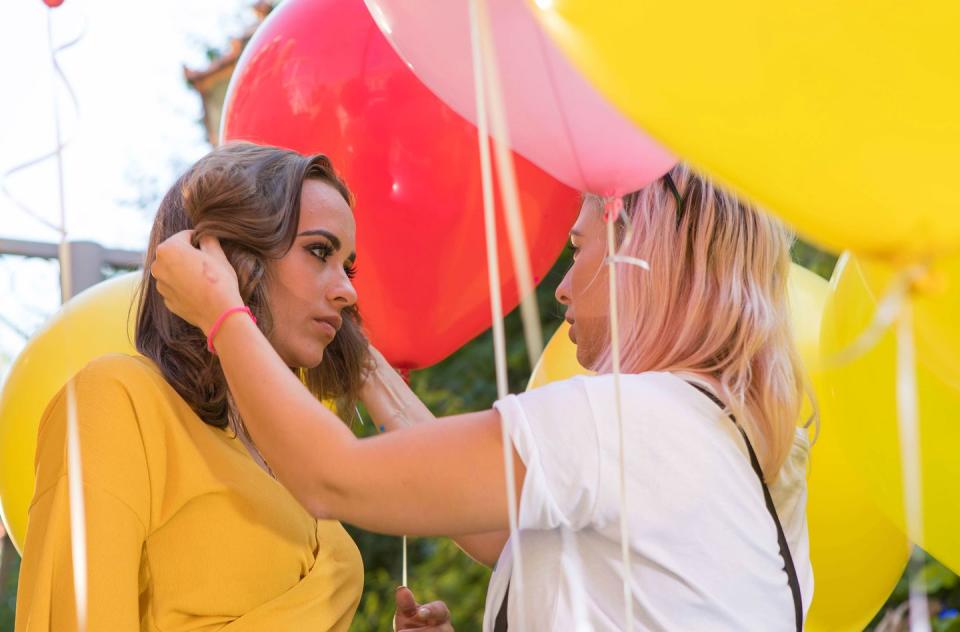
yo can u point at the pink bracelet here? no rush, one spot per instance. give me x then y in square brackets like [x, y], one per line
[219, 322]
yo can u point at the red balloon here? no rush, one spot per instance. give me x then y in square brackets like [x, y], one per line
[319, 77]
[53, 4]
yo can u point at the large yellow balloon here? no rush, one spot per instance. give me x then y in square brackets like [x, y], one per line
[852, 543]
[839, 116]
[862, 392]
[95, 322]
[858, 554]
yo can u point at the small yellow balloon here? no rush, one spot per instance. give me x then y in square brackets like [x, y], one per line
[558, 361]
[852, 543]
[841, 117]
[95, 322]
[807, 294]
[863, 392]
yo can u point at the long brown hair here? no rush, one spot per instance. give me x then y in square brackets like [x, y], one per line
[248, 196]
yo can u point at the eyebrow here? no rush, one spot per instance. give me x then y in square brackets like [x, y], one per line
[334, 240]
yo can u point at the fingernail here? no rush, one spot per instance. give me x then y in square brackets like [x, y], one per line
[423, 612]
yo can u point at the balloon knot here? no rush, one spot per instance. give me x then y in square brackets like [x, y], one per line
[612, 207]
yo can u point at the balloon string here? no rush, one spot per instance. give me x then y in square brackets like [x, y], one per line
[889, 307]
[404, 566]
[403, 540]
[480, 77]
[611, 213]
[910, 459]
[404, 559]
[78, 533]
[60, 143]
[634, 261]
[508, 185]
[78, 527]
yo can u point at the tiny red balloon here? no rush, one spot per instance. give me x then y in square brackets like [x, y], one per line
[319, 77]
[53, 4]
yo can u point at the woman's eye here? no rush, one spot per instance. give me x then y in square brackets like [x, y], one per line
[320, 251]
[351, 270]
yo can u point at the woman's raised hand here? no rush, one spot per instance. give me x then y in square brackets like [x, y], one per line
[197, 284]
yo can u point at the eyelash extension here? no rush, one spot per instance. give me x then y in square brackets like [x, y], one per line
[351, 271]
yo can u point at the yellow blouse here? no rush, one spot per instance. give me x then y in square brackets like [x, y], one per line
[184, 530]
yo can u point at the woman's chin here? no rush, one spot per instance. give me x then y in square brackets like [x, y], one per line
[584, 358]
[589, 351]
[307, 358]
[315, 359]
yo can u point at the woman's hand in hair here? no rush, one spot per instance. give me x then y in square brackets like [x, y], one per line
[197, 284]
[410, 615]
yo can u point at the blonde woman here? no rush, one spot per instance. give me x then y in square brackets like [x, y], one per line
[710, 394]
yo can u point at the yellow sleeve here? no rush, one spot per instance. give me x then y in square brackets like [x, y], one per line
[116, 488]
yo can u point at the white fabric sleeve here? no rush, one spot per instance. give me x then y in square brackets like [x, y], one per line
[553, 429]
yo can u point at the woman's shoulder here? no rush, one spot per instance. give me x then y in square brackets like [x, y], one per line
[126, 371]
[109, 402]
[648, 386]
[594, 397]
[118, 384]
[654, 401]
[600, 381]
[118, 366]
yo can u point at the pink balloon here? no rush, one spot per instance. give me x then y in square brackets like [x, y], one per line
[555, 118]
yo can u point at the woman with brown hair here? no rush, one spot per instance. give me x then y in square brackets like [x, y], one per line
[186, 527]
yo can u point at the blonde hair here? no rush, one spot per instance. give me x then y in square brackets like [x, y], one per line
[714, 301]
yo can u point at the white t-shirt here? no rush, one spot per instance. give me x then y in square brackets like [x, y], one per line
[704, 552]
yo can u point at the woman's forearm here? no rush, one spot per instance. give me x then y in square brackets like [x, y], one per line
[484, 548]
[443, 478]
[284, 420]
[393, 405]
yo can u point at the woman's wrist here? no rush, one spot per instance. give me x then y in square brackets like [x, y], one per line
[227, 313]
[389, 399]
[232, 331]
[215, 309]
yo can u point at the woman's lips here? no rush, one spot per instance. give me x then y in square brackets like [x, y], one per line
[328, 329]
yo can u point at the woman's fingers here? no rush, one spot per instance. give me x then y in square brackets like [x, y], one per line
[210, 245]
[433, 613]
[406, 604]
